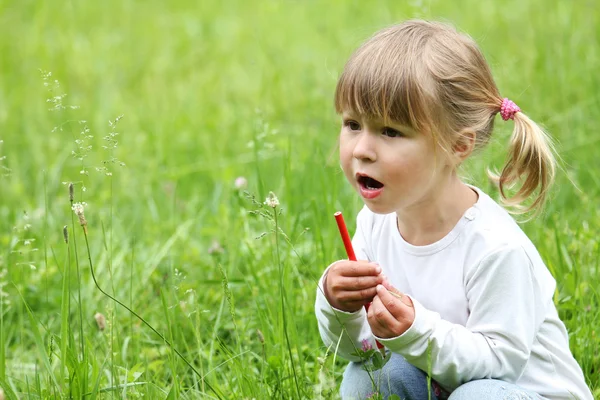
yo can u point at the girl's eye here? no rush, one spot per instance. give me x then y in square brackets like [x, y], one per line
[352, 125]
[389, 132]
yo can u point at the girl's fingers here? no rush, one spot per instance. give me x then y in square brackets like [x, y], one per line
[357, 268]
[360, 282]
[359, 296]
[386, 291]
[380, 315]
[386, 325]
[392, 303]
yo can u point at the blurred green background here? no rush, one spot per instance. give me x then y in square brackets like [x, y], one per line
[210, 91]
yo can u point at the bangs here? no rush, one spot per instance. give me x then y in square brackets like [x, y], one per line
[388, 82]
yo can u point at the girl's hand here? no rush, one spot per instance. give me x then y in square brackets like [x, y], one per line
[391, 312]
[349, 285]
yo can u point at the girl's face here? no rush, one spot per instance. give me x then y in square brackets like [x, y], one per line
[391, 166]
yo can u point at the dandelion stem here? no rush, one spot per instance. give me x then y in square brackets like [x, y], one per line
[164, 339]
[131, 286]
[112, 283]
[81, 337]
[281, 291]
[46, 232]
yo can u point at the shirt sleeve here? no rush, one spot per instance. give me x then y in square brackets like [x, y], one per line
[507, 300]
[342, 330]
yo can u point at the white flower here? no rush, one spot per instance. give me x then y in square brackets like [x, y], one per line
[78, 208]
[240, 183]
[272, 200]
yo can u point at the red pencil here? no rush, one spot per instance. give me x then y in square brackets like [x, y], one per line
[339, 218]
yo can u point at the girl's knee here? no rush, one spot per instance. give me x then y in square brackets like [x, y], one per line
[491, 389]
[356, 383]
[397, 377]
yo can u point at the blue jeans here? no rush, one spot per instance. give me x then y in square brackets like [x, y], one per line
[410, 383]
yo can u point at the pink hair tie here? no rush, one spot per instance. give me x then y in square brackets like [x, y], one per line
[508, 109]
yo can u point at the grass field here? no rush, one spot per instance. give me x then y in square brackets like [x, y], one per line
[210, 91]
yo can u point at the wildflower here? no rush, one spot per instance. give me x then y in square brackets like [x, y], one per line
[240, 183]
[437, 389]
[100, 321]
[78, 210]
[366, 345]
[215, 248]
[272, 200]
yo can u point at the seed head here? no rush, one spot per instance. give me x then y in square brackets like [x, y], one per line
[66, 234]
[261, 337]
[100, 321]
[78, 210]
[71, 193]
[272, 200]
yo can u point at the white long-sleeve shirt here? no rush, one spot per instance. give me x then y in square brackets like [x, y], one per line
[483, 304]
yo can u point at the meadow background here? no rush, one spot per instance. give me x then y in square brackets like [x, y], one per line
[210, 91]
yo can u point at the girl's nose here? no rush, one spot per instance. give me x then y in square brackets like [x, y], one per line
[364, 148]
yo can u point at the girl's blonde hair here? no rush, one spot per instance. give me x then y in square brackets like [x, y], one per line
[430, 77]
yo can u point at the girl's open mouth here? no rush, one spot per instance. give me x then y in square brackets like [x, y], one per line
[369, 187]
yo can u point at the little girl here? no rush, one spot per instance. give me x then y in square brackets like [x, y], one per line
[472, 304]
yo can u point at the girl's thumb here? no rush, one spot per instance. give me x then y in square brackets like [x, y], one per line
[396, 293]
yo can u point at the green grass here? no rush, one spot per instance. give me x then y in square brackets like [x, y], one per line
[208, 92]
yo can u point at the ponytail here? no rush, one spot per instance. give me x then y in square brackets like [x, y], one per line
[530, 160]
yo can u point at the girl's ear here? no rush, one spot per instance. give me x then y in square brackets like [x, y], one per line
[464, 144]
